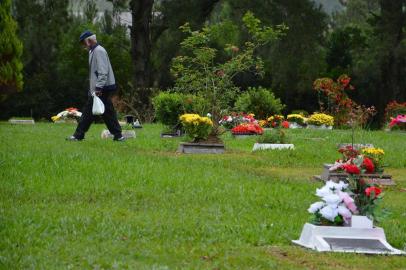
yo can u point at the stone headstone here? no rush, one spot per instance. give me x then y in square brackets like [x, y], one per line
[372, 178]
[201, 148]
[272, 146]
[22, 121]
[356, 146]
[128, 134]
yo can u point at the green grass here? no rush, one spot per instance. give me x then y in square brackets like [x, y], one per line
[99, 204]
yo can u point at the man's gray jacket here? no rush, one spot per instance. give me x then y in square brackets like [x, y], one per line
[101, 74]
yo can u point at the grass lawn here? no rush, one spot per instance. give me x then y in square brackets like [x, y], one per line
[99, 204]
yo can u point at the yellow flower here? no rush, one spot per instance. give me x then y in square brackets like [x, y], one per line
[262, 123]
[321, 119]
[55, 118]
[373, 151]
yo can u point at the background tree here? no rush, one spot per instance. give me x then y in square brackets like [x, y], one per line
[11, 48]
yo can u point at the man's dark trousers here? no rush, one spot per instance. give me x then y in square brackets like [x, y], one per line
[109, 116]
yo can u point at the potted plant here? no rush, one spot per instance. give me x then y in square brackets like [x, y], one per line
[320, 121]
[197, 129]
[273, 139]
[370, 161]
[246, 129]
[296, 120]
[398, 122]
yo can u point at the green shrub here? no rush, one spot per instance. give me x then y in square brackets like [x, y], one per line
[259, 101]
[169, 106]
[274, 136]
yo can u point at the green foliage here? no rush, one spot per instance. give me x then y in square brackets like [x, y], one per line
[259, 101]
[198, 72]
[11, 49]
[275, 135]
[169, 106]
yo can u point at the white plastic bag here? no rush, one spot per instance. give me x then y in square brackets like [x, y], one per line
[98, 106]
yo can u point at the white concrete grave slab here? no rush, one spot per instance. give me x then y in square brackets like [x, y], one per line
[346, 239]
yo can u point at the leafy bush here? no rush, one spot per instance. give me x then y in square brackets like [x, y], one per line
[259, 101]
[274, 136]
[169, 106]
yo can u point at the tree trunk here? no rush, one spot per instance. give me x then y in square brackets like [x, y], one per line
[141, 13]
[391, 34]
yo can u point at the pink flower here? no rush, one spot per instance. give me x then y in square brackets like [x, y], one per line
[348, 201]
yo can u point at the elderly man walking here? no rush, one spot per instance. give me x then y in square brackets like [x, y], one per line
[102, 84]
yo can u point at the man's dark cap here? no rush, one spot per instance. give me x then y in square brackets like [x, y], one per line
[85, 35]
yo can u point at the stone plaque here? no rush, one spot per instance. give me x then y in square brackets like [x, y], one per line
[352, 244]
[201, 148]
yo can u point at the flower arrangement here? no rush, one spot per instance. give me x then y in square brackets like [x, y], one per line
[71, 113]
[247, 129]
[297, 118]
[235, 119]
[376, 156]
[336, 207]
[197, 127]
[355, 163]
[319, 119]
[393, 109]
[399, 122]
[368, 160]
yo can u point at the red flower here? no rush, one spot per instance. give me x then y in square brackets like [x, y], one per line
[285, 124]
[368, 165]
[71, 109]
[351, 169]
[373, 190]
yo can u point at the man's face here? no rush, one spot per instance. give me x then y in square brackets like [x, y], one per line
[86, 44]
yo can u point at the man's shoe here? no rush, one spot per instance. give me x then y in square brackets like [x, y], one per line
[73, 139]
[119, 139]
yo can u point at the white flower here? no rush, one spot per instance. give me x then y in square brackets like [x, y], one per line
[332, 199]
[344, 212]
[209, 115]
[315, 207]
[329, 212]
[341, 186]
[324, 191]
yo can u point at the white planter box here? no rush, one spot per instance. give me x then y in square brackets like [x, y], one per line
[320, 127]
[346, 239]
[128, 134]
[272, 146]
[22, 121]
[295, 125]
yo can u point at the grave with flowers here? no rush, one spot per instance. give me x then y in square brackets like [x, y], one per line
[365, 162]
[342, 221]
[199, 130]
[69, 115]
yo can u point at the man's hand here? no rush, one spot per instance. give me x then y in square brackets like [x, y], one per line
[98, 92]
